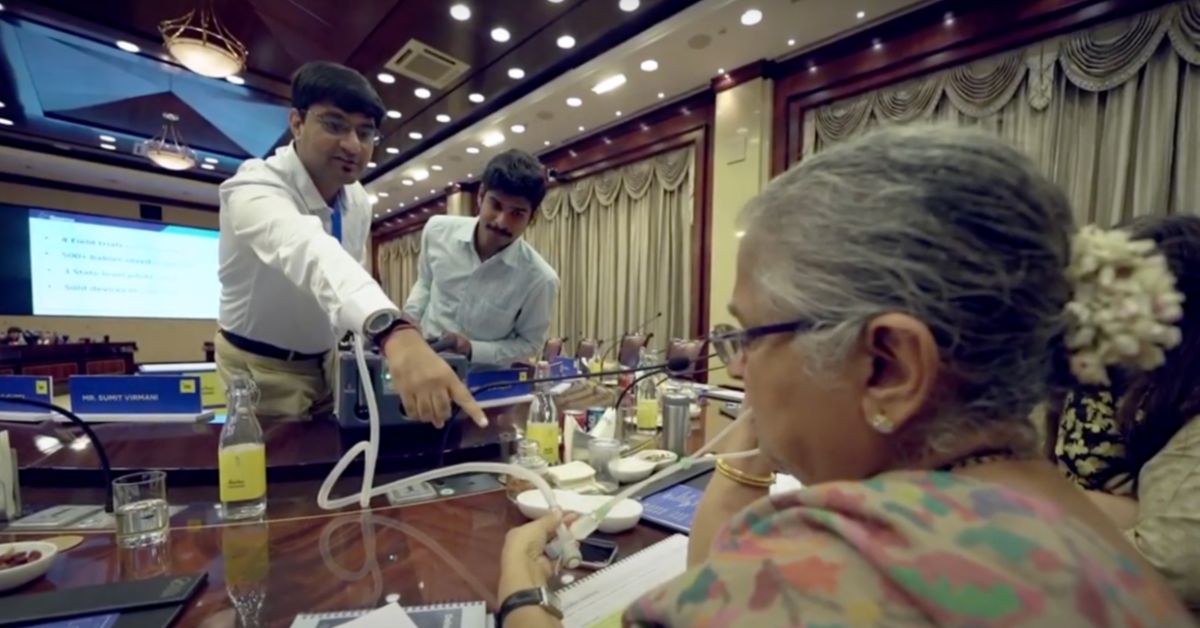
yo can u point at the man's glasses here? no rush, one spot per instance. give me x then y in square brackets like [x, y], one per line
[729, 341]
[338, 127]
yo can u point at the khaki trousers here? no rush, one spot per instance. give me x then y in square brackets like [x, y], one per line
[298, 389]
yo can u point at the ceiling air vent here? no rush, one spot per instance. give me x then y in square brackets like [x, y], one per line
[427, 65]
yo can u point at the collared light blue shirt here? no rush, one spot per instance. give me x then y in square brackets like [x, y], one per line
[502, 305]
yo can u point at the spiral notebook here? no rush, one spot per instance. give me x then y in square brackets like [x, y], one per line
[599, 600]
[453, 615]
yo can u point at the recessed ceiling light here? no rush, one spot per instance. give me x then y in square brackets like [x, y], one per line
[460, 12]
[791, 42]
[516, 73]
[1, 104]
[661, 95]
[392, 150]
[383, 195]
[372, 198]
[393, 114]
[812, 67]
[860, 15]
[420, 174]
[629, 6]
[416, 135]
[416, 198]
[469, 175]
[107, 138]
[436, 168]
[720, 70]
[384, 77]
[574, 102]
[208, 166]
[566, 41]
[517, 128]
[948, 19]
[876, 44]
[235, 79]
[582, 129]
[371, 164]
[443, 118]
[649, 65]
[501, 34]
[108, 147]
[545, 142]
[473, 150]
[618, 114]
[209, 160]
[128, 46]
[495, 138]
[609, 84]
[408, 182]
[475, 98]
[421, 92]
[6, 122]
[433, 190]
[402, 204]
[752, 17]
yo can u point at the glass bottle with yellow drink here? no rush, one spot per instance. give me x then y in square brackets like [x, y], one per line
[542, 426]
[242, 457]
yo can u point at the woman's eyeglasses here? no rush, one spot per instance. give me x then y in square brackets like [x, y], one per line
[729, 341]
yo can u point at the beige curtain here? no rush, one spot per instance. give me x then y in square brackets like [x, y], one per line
[1112, 114]
[621, 243]
[397, 264]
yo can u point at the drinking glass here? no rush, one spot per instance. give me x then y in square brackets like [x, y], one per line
[140, 508]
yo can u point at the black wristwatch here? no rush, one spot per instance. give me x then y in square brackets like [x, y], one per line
[541, 596]
[380, 324]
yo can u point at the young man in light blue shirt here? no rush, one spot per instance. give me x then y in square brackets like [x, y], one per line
[480, 287]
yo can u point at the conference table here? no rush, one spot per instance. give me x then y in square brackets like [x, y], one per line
[299, 559]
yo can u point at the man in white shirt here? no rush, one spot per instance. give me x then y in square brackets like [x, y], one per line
[294, 233]
[480, 286]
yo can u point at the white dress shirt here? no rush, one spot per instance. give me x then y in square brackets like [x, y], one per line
[285, 280]
[503, 305]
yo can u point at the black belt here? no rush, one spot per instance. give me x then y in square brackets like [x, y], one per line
[267, 350]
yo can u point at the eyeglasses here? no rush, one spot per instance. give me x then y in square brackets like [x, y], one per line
[729, 341]
[338, 127]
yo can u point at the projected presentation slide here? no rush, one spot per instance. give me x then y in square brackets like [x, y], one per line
[82, 265]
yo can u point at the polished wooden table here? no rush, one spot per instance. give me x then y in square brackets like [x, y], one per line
[299, 559]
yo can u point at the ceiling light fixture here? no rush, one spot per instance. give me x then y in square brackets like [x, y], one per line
[407, 182]
[876, 44]
[791, 42]
[475, 98]
[629, 6]
[609, 84]
[6, 122]
[208, 166]
[516, 73]
[443, 118]
[948, 19]
[420, 174]
[582, 128]
[436, 168]
[167, 149]
[1, 104]
[416, 135]
[392, 150]
[393, 114]
[108, 146]
[501, 34]
[661, 95]
[517, 128]
[545, 142]
[383, 195]
[720, 70]
[494, 138]
[472, 150]
[107, 138]
[422, 93]
[235, 79]
[372, 198]
[209, 160]
[128, 46]
[860, 15]
[384, 77]
[371, 164]
[752, 17]
[460, 12]
[566, 42]
[649, 65]
[202, 44]
[574, 102]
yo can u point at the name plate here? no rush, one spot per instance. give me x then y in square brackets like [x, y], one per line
[136, 394]
[37, 387]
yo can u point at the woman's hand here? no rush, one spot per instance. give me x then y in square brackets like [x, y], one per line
[744, 438]
[523, 562]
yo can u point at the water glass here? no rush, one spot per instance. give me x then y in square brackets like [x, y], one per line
[140, 508]
[601, 452]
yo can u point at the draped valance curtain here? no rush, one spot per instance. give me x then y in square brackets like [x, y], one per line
[621, 243]
[1112, 114]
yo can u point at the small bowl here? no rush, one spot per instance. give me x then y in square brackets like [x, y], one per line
[622, 517]
[14, 577]
[660, 458]
[630, 470]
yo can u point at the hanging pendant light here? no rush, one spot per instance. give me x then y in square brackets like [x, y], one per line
[167, 149]
[201, 44]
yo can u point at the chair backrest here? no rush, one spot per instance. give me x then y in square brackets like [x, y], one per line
[586, 348]
[693, 350]
[631, 349]
[552, 349]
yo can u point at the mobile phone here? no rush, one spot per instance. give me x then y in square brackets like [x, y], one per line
[597, 553]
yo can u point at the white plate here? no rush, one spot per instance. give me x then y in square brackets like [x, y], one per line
[668, 457]
[622, 517]
[14, 577]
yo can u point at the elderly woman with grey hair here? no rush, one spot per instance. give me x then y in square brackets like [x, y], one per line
[903, 299]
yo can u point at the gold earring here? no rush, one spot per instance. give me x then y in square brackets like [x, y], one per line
[881, 423]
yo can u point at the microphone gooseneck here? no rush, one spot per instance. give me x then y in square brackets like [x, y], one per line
[677, 363]
[620, 339]
[675, 366]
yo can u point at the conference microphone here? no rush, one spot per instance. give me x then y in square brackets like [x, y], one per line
[104, 466]
[674, 365]
[676, 371]
[620, 339]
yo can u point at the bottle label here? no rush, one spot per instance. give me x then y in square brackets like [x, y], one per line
[546, 436]
[647, 414]
[243, 472]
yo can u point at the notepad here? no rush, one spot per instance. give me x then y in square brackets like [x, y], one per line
[599, 600]
[453, 615]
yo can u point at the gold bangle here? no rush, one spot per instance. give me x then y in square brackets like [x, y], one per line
[743, 478]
